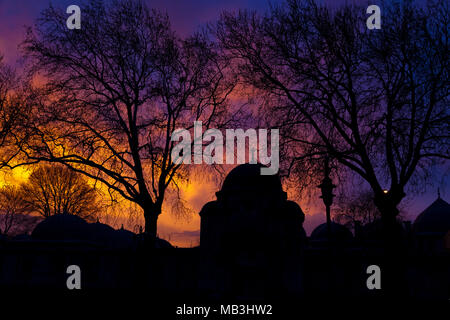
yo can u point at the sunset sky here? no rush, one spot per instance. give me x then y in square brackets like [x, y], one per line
[186, 17]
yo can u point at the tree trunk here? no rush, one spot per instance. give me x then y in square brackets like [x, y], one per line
[387, 204]
[151, 223]
[389, 213]
[393, 245]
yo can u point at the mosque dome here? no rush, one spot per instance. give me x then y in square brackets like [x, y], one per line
[101, 233]
[338, 233]
[125, 233]
[64, 227]
[124, 238]
[248, 177]
[434, 219]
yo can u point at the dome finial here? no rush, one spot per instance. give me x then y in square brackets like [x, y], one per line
[439, 193]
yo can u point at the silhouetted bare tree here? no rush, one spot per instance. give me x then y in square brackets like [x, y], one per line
[374, 100]
[359, 208]
[6, 84]
[115, 91]
[56, 189]
[12, 106]
[12, 206]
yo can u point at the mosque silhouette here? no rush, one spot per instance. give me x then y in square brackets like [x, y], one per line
[252, 247]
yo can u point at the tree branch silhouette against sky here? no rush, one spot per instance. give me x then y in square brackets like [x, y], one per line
[122, 84]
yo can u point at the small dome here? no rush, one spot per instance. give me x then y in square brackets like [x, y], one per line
[248, 176]
[101, 233]
[124, 238]
[65, 227]
[105, 235]
[125, 233]
[62, 227]
[434, 219]
[338, 233]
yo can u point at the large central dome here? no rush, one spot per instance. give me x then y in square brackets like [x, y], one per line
[248, 177]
